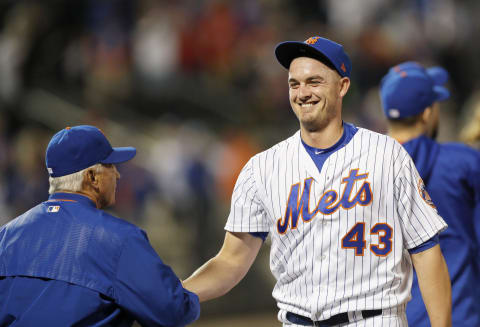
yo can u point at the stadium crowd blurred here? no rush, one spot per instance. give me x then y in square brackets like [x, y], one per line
[194, 85]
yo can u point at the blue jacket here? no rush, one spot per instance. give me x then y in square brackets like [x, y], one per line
[66, 263]
[451, 173]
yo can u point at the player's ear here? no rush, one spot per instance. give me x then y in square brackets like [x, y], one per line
[90, 178]
[344, 85]
[426, 114]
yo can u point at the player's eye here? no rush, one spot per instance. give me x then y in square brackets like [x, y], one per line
[293, 85]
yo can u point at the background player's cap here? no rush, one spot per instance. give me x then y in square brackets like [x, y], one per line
[407, 89]
[75, 148]
[438, 74]
[330, 53]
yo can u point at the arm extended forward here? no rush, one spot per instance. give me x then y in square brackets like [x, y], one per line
[221, 273]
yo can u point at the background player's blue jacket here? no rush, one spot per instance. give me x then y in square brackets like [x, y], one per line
[451, 173]
[66, 263]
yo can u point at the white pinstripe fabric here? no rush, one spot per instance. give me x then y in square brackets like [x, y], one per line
[316, 277]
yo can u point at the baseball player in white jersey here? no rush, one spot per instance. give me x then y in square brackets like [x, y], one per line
[346, 210]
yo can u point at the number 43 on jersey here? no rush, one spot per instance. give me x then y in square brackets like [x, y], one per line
[355, 239]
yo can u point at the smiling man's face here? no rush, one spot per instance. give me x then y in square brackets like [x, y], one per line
[315, 92]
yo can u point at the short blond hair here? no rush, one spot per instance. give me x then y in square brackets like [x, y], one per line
[72, 182]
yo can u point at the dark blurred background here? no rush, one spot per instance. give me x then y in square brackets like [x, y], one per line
[194, 85]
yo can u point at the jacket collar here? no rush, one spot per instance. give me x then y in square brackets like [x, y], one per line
[71, 197]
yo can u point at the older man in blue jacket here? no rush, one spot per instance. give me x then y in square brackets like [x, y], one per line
[66, 262]
[410, 95]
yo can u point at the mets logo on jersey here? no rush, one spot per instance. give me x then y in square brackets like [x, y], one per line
[424, 194]
[297, 206]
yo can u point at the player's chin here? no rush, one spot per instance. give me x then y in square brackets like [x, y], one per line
[309, 121]
[306, 114]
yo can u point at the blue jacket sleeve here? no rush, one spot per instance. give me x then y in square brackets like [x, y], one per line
[473, 179]
[476, 210]
[149, 290]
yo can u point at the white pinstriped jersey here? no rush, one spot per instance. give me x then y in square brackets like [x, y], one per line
[340, 235]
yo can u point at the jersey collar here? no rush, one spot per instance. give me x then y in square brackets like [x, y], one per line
[306, 159]
[71, 197]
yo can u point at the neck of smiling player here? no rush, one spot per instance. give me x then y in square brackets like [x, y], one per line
[322, 136]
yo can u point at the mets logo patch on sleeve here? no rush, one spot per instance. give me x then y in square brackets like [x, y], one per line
[424, 194]
[53, 208]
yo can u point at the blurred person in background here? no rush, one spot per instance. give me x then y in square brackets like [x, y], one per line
[67, 262]
[410, 95]
[470, 133]
[25, 176]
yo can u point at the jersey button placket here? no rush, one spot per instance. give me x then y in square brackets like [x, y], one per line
[321, 257]
[317, 273]
[322, 260]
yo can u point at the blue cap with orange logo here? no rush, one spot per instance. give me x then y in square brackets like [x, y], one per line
[408, 89]
[75, 148]
[330, 53]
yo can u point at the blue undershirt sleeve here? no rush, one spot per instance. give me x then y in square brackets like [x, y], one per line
[262, 235]
[426, 245]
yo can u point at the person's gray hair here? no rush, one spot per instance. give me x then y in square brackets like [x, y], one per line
[70, 183]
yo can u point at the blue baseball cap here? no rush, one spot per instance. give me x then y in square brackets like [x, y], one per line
[75, 148]
[408, 88]
[439, 74]
[330, 53]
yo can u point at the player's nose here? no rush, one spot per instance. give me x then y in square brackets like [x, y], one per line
[304, 92]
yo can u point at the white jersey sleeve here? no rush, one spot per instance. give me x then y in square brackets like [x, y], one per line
[418, 215]
[247, 213]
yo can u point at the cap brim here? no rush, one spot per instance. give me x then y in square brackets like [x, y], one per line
[438, 74]
[441, 92]
[289, 50]
[120, 155]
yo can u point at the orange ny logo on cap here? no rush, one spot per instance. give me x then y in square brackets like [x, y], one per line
[312, 40]
[342, 67]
